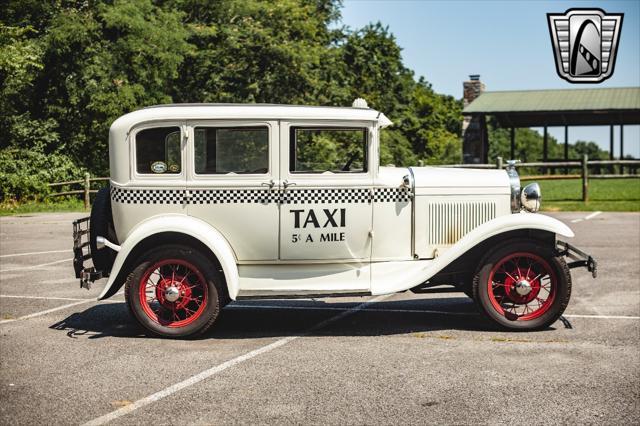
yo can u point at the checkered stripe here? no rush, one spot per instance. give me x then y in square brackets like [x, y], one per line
[223, 196]
[262, 196]
[147, 196]
[317, 196]
[391, 195]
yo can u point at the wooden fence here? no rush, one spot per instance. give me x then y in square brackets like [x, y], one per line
[583, 165]
[85, 191]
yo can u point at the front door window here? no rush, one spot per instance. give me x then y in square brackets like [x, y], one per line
[333, 150]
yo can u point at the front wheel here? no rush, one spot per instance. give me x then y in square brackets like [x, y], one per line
[522, 285]
[174, 291]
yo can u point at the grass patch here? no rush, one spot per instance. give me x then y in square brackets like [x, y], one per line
[9, 208]
[604, 194]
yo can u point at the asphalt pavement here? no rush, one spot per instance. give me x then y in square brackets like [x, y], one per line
[429, 359]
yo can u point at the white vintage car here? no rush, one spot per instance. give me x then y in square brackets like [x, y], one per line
[212, 203]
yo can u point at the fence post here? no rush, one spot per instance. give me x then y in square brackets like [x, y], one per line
[585, 178]
[87, 187]
[499, 163]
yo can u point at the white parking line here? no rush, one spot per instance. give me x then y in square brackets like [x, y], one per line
[412, 311]
[225, 365]
[589, 217]
[603, 316]
[35, 252]
[11, 296]
[48, 311]
[592, 215]
[36, 266]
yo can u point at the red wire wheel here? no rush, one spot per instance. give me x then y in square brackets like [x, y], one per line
[173, 293]
[522, 286]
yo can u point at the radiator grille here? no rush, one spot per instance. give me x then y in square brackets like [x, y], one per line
[450, 221]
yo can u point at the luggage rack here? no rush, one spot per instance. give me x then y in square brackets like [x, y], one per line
[82, 252]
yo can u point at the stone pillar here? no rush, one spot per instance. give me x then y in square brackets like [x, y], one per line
[475, 144]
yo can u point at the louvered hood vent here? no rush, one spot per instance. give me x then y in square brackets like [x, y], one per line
[449, 221]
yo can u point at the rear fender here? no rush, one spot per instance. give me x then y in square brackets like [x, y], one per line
[391, 277]
[181, 224]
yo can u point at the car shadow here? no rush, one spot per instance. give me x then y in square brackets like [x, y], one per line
[281, 318]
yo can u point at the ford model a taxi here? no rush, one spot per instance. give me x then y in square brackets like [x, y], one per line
[211, 203]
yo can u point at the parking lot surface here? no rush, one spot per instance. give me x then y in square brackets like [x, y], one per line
[67, 359]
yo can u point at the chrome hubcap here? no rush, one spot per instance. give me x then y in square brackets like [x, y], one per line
[523, 287]
[171, 294]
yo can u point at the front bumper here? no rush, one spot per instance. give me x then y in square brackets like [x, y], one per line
[82, 253]
[578, 257]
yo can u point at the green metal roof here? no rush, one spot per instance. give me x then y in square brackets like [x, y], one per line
[562, 100]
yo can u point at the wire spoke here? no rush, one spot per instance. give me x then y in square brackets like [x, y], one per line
[529, 268]
[510, 276]
[189, 311]
[517, 264]
[186, 276]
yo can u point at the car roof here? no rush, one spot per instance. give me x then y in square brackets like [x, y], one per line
[203, 111]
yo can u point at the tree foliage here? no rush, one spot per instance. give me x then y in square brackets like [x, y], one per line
[24, 174]
[68, 68]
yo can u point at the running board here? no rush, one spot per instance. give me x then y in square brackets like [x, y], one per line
[299, 295]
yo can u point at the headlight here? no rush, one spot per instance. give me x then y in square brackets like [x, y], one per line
[514, 182]
[531, 197]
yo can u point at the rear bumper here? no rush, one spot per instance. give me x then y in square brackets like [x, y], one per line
[82, 253]
[578, 258]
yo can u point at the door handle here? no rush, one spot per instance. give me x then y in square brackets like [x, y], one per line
[270, 184]
[287, 184]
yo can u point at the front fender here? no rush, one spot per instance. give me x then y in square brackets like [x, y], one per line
[187, 225]
[391, 279]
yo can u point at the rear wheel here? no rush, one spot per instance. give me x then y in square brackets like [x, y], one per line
[174, 292]
[522, 285]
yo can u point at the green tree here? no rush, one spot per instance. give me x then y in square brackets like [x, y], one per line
[591, 149]
[20, 61]
[254, 51]
[69, 68]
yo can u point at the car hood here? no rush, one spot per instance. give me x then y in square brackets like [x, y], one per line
[445, 178]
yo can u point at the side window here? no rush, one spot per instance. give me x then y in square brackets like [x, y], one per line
[158, 151]
[335, 150]
[221, 150]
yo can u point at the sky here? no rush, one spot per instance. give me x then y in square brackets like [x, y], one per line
[506, 42]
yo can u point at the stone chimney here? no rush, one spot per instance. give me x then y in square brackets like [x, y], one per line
[475, 147]
[472, 89]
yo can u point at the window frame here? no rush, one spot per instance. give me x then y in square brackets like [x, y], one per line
[292, 143]
[265, 127]
[230, 179]
[155, 177]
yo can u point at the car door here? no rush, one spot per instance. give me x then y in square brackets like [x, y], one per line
[232, 183]
[326, 202]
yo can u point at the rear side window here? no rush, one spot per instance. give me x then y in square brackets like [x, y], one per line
[241, 150]
[158, 151]
[335, 150]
